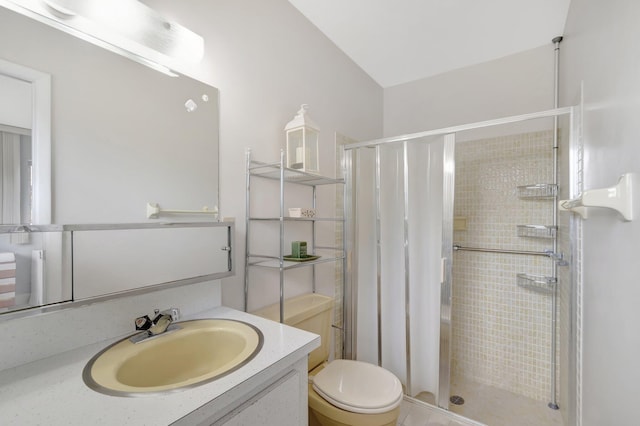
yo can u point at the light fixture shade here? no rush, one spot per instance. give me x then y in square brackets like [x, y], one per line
[302, 142]
[128, 25]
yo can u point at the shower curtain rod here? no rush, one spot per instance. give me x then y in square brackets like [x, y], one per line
[461, 128]
[457, 247]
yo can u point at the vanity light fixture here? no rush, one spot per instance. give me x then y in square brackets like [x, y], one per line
[127, 27]
[302, 142]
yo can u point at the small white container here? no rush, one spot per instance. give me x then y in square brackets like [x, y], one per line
[295, 212]
[302, 212]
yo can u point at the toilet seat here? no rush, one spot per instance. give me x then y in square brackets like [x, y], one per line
[358, 387]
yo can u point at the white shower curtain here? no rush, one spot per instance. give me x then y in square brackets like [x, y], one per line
[424, 221]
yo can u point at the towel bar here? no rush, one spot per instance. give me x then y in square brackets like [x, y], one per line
[154, 211]
[618, 198]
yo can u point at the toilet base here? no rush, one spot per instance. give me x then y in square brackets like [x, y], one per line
[322, 413]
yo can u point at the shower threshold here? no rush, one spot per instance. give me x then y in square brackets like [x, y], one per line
[498, 407]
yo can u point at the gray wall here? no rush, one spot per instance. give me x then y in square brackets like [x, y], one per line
[512, 85]
[601, 50]
[267, 59]
[121, 136]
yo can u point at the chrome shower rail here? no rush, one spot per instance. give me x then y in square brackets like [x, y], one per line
[457, 247]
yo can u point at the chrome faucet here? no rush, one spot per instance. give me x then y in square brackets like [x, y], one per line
[160, 324]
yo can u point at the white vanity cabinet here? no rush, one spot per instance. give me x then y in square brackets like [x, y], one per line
[283, 403]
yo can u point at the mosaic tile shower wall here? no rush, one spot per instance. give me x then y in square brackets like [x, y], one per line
[501, 331]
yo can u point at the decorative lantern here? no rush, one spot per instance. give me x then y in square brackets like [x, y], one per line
[302, 142]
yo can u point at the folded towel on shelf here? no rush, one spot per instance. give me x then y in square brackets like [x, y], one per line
[8, 271]
[7, 279]
[7, 285]
[7, 266]
[7, 257]
[7, 299]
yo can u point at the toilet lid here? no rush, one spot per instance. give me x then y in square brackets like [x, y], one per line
[358, 387]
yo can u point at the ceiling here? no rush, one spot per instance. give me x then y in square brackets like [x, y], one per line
[397, 41]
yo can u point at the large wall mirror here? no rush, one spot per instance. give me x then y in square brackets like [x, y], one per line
[119, 135]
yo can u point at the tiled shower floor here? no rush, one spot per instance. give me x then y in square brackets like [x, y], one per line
[497, 407]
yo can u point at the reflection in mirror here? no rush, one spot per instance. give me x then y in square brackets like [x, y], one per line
[34, 268]
[122, 135]
[15, 175]
[15, 150]
[106, 262]
[25, 163]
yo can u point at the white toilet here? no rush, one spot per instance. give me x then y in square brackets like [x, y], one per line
[341, 392]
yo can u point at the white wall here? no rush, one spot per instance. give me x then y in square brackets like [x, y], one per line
[120, 134]
[33, 338]
[267, 59]
[600, 49]
[512, 85]
[110, 152]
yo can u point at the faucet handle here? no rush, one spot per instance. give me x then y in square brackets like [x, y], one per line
[143, 322]
[174, 313]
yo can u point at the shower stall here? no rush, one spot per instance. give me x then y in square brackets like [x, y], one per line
[461, 274]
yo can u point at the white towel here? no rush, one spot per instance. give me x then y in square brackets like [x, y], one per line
[7, 279]
[7, 299]
[7, 285]
[7, 257]
[7, 265]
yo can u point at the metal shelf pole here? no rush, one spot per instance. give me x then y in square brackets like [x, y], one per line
[553, 404]
[282, 236]
[247, 206]
[313, 242]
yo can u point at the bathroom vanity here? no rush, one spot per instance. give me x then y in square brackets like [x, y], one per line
[270, 389]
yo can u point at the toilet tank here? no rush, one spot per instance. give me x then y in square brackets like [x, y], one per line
[309, 312]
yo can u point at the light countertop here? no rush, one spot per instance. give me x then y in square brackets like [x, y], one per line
[51, 391]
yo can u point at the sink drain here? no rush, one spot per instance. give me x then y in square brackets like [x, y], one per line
[456, 400]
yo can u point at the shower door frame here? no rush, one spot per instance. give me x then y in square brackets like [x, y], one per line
[350, 274]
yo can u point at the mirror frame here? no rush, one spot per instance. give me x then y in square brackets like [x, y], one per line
[40, 137]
